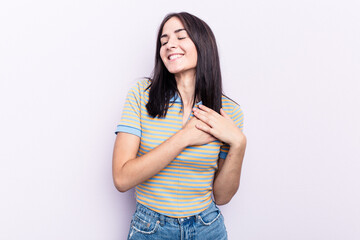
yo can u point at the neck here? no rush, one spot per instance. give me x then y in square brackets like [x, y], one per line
[186, 85]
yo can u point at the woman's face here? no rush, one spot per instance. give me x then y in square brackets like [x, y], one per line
[178, 51]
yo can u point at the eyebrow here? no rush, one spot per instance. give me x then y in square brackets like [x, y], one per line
[176, 31]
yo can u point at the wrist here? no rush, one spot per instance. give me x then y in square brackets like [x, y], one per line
[181, 139]
[239, 142]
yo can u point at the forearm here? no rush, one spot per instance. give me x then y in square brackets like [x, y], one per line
[139, 169]
[227, 180]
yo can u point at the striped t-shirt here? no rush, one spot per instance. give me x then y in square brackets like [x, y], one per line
[183, 188]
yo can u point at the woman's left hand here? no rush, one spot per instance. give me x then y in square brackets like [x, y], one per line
[221, 126]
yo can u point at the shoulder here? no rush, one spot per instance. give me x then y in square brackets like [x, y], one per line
[142, 84]
[234, 110]
[140, 87]
[229, 105]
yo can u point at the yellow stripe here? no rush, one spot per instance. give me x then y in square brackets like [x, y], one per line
[156, 132]
[145, 116]
[130, 124]
[195, 168]
[154, 145]
[191, 153]
[146, 134]
[164, 129]
[201, 160]
[142, 152]
[173, 195]
[170, 171]
[227, 108]
[152, 180]
[182, 163]
[177, 187]
[136, 118]
[240, 119]
[204, 191]
[190, 180]
[129, 109]
[163, 123]
[130, 121]
[199, 150]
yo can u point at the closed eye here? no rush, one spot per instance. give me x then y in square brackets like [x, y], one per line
[180, 38]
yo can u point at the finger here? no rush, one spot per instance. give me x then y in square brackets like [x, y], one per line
[224, 114]
[212, 139]
[199, 121]
[204, 117]
[209, 114]
[206, 109]
[203, 127]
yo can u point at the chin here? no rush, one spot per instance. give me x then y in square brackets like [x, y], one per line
[175, 71]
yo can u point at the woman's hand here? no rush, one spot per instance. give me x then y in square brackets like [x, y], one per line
[221, 126]
[194, 136]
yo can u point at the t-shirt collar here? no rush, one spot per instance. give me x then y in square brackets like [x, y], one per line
[176, 98]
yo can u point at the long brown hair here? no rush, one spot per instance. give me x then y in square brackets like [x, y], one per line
[208, 85]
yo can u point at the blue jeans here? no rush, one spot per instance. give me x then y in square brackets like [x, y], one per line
[150, 225]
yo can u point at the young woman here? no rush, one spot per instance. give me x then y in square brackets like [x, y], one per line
[180, 139]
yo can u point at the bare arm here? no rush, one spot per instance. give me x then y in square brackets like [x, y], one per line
[227, 178]
[129, 170]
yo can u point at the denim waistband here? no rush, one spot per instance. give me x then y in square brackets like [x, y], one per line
[158, 216]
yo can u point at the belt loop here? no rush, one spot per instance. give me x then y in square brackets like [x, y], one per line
[162, 220]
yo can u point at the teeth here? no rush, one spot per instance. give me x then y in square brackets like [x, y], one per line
[175, 56]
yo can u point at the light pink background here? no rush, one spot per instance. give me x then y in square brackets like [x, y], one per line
[66, 66]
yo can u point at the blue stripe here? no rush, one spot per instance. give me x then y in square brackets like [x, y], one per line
[162, 190]
[128, 129]
[174, 166]
[172, 185]
[166, 171]
[161, 124]
[195, 158]
[223, 155]
[145, 127]
[182, 179]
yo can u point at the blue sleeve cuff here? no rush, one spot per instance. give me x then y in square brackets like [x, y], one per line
[223, 155]
[127, 129]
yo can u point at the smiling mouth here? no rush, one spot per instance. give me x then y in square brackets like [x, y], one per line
[175, 56]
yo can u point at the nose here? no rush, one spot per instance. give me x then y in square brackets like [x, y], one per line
[172, 43]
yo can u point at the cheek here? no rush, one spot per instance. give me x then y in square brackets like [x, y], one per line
[194, 55]
[192, 50]
[162, 55]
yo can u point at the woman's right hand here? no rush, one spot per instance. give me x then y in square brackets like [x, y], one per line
[129, 170]
[195, 136]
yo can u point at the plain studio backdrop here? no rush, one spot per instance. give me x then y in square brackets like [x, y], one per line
[65, 69]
